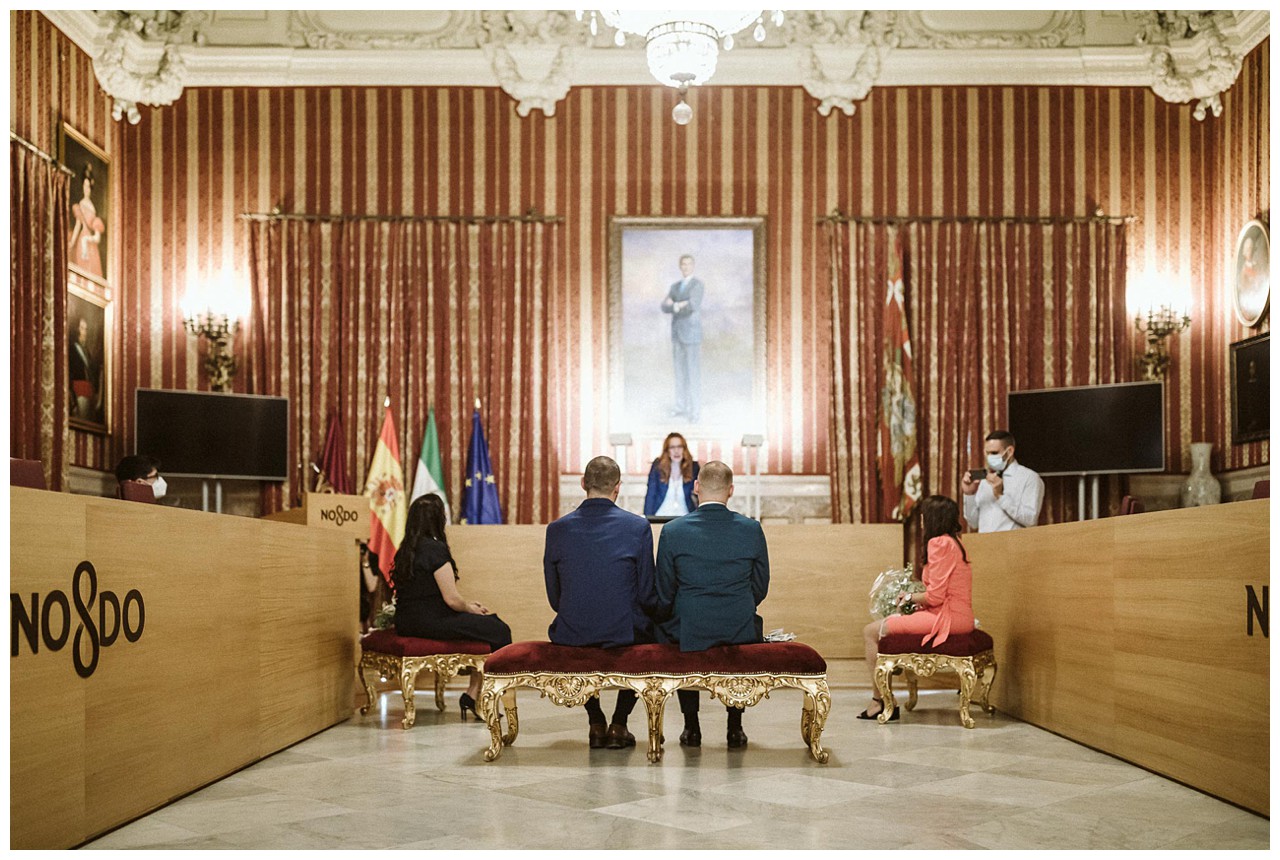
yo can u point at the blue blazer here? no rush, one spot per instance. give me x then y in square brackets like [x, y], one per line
[598, 565]
[713, 571]
[657, 490]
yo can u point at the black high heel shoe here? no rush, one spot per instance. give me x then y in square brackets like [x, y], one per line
[466, 703]
[892, 717]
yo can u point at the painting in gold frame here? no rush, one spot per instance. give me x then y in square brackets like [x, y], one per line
[89, 250]
[89, 331]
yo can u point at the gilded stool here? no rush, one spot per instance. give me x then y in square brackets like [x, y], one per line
[969, 655]
[737, 675]
[403, 657]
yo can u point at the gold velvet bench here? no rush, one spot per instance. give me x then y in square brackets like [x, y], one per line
[737, 675]
[403, 657]
[969, 655]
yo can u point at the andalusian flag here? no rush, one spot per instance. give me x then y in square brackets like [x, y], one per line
[385, 489]
[480, 494]
[900, 478]
[430, 475]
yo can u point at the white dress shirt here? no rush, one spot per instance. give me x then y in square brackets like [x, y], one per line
[1017, 508]
[673, 505]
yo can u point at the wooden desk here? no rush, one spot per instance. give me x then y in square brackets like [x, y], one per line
[246, 646]
[1131, 634]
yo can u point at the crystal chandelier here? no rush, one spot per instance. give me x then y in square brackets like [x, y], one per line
[682, 46]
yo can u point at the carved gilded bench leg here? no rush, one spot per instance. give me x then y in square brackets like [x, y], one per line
[408, 678]
[441, 680]
[913, 691]
[655, 693]
[964, 668]
[513, 718]
[983, 662]
[488, 704]
[362, 673]
[884, 669]
[817, 705]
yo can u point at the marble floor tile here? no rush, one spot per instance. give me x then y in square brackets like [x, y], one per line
[923, 783]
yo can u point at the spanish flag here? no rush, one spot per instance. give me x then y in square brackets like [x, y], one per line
[385, 489]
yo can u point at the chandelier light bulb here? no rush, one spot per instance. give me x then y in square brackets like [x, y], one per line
[620, 38]
[758, 33]
[682, 113]
[728, 42]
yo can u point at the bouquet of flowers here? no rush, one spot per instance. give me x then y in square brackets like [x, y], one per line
[888, 585]
[386, 616]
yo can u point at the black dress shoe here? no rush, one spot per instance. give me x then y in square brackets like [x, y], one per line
[893, 718]
[737, 739]
[596, 736]
[617, 737]
[691, 738]
[466, 703]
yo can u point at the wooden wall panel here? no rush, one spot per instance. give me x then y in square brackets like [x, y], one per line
[819, 578]
[1129, 634]
[246, 647]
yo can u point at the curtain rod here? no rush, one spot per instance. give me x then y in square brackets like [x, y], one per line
[531, 216]
[17, 138]
[838, 217]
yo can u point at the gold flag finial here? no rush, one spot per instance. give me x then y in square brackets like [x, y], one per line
[477, 404]
[386, 401]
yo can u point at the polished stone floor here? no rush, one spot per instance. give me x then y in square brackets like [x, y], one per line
[922, 783]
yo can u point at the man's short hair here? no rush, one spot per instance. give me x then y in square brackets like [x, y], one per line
[1002, 436]
[601, 475]
[715, 477]
[136, 467]
[688, 257]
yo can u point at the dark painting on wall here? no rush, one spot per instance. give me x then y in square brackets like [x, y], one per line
[88, 252]
[88, 356]
[1250, 389]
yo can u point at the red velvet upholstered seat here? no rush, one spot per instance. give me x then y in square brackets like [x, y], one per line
[388, 642]
[765, 658]
[957, 644]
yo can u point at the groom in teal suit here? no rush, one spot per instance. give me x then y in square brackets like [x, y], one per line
[713, 571]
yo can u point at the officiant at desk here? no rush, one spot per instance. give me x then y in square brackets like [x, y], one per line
[671, 477]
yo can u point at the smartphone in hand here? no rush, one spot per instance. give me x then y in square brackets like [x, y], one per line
[977, 474]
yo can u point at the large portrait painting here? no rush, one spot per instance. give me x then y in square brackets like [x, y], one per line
[1251, 389]
[88, 251]
[687, 335]
[1252, 273]
[88, 355]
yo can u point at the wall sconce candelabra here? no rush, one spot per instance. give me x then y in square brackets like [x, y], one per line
[217, 329]
[1159, 325]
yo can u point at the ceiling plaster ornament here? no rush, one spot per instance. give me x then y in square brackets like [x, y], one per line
[457, 29]
[1182, 73]
[1062, 28]
[532, 53]
[141, 62]
[843, 59]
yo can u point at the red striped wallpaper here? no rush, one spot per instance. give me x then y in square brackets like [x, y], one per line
[186, 171]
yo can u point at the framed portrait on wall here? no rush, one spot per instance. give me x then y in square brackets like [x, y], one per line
[88, 253]
[1251, 389]
[687, 325]
[1252, 273]
[89, 325]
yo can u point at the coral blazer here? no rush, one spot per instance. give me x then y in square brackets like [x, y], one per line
[948, 606]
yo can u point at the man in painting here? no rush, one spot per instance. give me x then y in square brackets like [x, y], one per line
[683, 302]
[83, 374]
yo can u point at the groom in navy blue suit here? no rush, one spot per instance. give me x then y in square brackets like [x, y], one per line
[599, 569]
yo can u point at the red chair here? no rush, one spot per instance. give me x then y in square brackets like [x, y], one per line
[1262, 489]
[1131, 505]
[26, 473]
[132, 491]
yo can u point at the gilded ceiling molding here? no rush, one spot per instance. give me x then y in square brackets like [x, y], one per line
[841, 60]
[1190, 57]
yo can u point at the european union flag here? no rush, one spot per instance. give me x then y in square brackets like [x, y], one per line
[480, 493]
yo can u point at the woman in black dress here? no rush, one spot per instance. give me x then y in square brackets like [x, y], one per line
[428, 604]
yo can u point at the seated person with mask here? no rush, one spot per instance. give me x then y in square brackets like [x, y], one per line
[140, 469]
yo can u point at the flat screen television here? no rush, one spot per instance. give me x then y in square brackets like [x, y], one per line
[1093, 429]
[201, 434]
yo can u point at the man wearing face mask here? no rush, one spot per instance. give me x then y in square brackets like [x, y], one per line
[141, 469]
[1009, 497]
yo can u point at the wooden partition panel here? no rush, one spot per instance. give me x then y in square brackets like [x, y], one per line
[819, 578]
[1131, 634]
[245, 647]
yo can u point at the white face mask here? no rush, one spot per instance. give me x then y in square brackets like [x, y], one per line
[159, 488]
[995, 462]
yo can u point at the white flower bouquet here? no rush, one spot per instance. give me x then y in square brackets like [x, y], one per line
[888, 586]
[386, 616]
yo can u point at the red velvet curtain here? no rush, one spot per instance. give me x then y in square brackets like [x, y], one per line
[39, 207]
[430, 313]
[993, 307]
